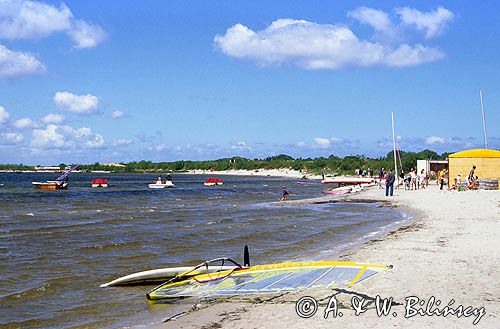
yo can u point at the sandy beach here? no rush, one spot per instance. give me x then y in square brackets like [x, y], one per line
[282, 172]
[449, 251]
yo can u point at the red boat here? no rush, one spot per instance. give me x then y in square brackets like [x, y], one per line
[213, 181]
[100, 182]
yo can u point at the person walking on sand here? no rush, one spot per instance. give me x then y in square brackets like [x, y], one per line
[285, 194]
[389, 183]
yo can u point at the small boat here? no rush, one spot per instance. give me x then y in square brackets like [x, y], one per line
[51, 185]
[60, 183]
[213, 181]
[344, 189]
[348, 180]
[100, 182]
[167, 184]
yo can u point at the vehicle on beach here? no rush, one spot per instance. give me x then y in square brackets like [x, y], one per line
[60, 183]
[213, 181]
[100, 182]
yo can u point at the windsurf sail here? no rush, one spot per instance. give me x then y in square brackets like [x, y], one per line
[267, 279]
[66, 174]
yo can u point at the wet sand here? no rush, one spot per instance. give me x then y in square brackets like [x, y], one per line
[450, 251]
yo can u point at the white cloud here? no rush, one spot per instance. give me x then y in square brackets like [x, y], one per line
[23, 123]
[406, 56]
[84, 104]
[377, 19]
[120, 142]
[117, 114]
[158, 147]
[313, 46]
[241, 146]
[433, 23]
[53, 118]
[11, 138]
[31, 19]
[4, 115]
[26, 19]
[54, 136]
[86, 35]
[322, 142]
[16, 64]
[300, 144]
[434, 140]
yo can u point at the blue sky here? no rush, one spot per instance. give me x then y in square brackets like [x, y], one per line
[87, 81]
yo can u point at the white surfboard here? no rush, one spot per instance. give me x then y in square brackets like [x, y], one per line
[162, 274]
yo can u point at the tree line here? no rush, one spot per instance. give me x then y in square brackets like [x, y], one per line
[321, 165]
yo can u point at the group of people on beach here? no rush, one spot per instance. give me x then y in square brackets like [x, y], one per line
[471, 182]
[414, 180]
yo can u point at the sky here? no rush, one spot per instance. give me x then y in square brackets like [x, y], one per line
[105, 81]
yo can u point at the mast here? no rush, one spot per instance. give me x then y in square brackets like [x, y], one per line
[484, 120]
[394, 144]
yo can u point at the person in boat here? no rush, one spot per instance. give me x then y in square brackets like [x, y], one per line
[169, 178]
[389, 183]
[159, 181]
[285, 194]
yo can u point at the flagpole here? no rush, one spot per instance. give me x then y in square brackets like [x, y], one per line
[394, 144]
[484, 121]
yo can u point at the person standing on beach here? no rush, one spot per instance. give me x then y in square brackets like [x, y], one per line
[471, 178]
[441, 178]
[285, 194]
[389, 183]
[380, 177]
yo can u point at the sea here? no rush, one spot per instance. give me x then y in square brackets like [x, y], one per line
[57, 247]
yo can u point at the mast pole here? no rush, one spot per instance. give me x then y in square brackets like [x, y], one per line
[394, 149]
[484, 120]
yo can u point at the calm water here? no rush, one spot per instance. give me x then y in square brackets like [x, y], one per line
[56, 247]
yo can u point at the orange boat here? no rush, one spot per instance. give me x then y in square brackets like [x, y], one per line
[51, 185]
[60, 183]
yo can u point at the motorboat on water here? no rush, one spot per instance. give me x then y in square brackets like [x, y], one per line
[158, 185]
[213, 181]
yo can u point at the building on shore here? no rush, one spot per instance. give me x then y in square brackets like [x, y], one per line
[47, 169]
[432, 167]
[112, 164]
[487, 164]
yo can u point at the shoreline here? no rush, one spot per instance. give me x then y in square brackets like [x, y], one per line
[447, 250]
[288, 173]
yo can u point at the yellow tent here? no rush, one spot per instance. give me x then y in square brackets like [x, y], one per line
[487, 164]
